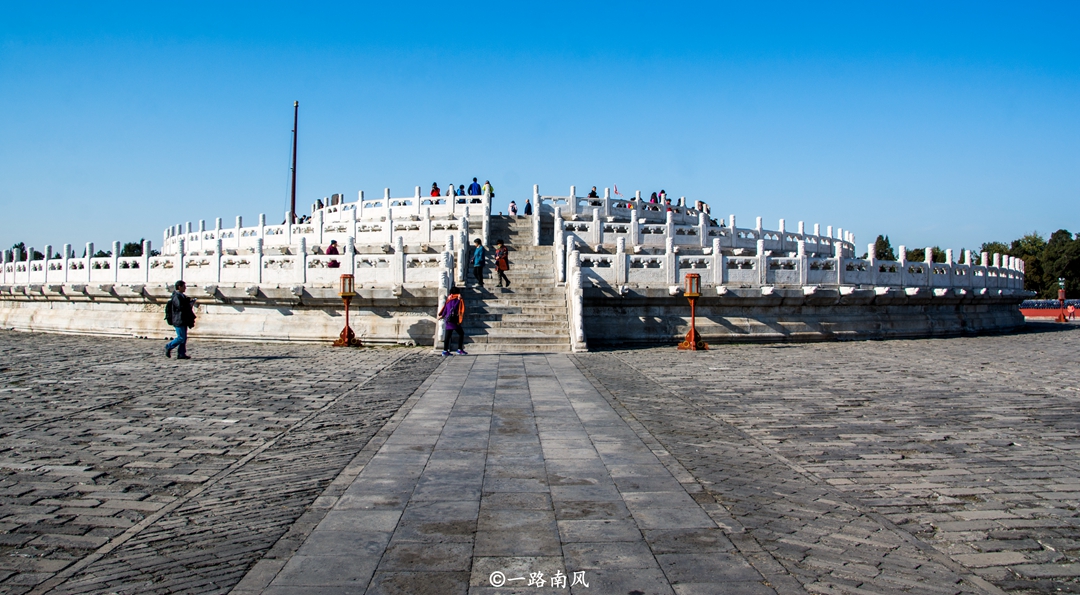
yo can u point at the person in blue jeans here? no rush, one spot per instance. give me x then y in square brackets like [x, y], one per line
[478, 262]
[180, 314]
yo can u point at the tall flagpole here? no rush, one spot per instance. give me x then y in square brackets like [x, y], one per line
[292, 200]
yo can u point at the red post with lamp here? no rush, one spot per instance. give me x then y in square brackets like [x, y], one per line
[692, 292]
[347, 292]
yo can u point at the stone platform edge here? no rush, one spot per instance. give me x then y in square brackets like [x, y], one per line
[406, 315]
[773, 314]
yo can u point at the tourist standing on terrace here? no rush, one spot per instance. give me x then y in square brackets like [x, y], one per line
[528, 208]
[453, 313]
[435, 190]
[478, 262]
[488, 189]
[513, 209]
[179, 313]
[502, 262]
[474, 188]
[593, 194]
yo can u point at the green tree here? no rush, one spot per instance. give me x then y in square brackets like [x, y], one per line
[994, 247]
[132, 248]
[1030, 249]
[883, 249]
[919, 254]
[1061, 259]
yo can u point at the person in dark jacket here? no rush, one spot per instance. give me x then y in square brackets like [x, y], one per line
[180, 314]
[528, 208]
[478, 262]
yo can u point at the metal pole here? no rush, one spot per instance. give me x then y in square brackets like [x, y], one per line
[292, 200]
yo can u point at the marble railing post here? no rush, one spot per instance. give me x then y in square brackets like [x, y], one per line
[289, 229]
[181, 246]
[804, 262]
[762, 261]
[257, 260]
[114, 262]
[669, 224]
[217, 260]
[262, 226]
[573, 201]
[536, 215]
[485, 219]
[236, 233]
[671, 260]
[782, 231]
[397, 260]
[301, 260]
[349, 252]
[67, 260]
[620, 261]
[872, 261]
[597, 228]
[90, 254]
[144, 263]
[560, 243]
[719, 263]
[733, 231]
[703, 230]
[48, 255]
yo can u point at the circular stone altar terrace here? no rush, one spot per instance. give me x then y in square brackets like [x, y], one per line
[586, 271]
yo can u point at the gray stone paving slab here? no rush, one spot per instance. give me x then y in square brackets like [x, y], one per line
[516, 483]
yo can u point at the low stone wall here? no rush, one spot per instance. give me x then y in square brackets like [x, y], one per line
[230, 313]
[652, 316]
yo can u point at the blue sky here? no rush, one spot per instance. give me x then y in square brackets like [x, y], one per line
[936, 123]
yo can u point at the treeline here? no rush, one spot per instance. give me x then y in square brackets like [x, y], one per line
[1045, 260]
[129, 249]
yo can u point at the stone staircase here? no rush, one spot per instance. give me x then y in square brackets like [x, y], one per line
[529, 316]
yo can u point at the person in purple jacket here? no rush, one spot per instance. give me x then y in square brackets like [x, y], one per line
[453, 313]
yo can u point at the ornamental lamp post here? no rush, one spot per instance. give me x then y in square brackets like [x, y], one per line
[692, 292]
[347, 292]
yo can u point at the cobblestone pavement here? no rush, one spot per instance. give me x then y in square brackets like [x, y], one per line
[929, 466]
[125, 472]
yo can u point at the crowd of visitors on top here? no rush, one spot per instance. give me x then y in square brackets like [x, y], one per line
[471, 195]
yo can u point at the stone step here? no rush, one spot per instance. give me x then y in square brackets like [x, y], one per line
[507, 348]
[518, 337]
[485, 306]
[544, 326]
[531, 318]
[507, 309]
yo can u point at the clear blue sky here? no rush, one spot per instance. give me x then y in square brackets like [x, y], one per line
[935, 123]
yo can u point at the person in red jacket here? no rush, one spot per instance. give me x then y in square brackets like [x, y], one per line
[435, 190]
[502, 262]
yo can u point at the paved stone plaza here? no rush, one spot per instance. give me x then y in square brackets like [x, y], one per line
[932, 466]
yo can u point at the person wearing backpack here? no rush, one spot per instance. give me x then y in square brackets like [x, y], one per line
[179, 312]
[453, 315]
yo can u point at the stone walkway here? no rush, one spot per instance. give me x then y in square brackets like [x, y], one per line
[509, 473]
